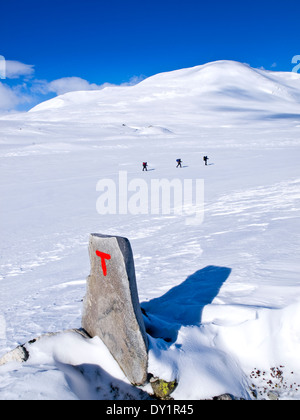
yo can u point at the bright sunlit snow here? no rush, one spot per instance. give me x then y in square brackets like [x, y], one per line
[222, 299]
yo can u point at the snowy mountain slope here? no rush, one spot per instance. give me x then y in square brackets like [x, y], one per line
[222, 298]
[221, 86]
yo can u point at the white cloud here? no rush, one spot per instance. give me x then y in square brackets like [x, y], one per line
[16, 69]
[73, 84]
[65, 85]
[12, 97]
[8, 98]
[30, 91]
[70, 84]
[134, 80]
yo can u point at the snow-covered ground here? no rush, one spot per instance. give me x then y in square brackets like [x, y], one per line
[222, 298]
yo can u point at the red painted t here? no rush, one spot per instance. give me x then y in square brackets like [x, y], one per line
[103, 257]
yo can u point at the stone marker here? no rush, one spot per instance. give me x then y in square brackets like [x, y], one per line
[111, 308]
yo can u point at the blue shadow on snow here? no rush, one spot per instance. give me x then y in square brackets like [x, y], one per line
[183, 304]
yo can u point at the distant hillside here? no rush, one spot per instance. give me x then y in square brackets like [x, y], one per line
[215, 92]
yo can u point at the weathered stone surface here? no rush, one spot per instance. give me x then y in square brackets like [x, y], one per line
[224, 397]
[111, 307]
[272, 395]
[162, 389]
[22, 353]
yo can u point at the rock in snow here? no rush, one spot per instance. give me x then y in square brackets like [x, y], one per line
[111, 305]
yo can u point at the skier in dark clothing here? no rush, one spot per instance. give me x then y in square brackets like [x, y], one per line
[179, 162]
[205, 158]
[145, 165]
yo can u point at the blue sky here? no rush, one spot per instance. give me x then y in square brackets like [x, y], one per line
[64, 45]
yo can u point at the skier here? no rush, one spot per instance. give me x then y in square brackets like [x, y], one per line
[179, 162]
[145, 165]
[205, 158]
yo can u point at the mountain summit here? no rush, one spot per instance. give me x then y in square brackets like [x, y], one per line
[225, 90]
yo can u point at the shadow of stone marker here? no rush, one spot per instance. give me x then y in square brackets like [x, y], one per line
[111, 308]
